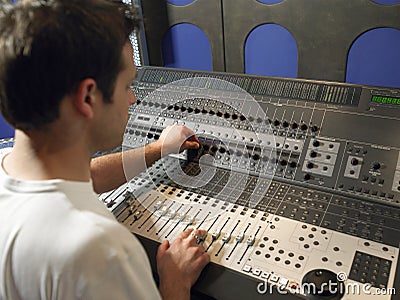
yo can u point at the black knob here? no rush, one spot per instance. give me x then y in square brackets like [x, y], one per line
[285, 124]
[354, 161]
[234, 117]
[376, 165]
[310, 165]
[256, 156]
[176, 107]
[283, 162]
[227, 115]
[313, 154]
[277, 122]
[307, 176]
[293, 164]
[316, 143]
[314, 128]
[219, 114]
[190, 110]
[294, 125]
[197, 111]
[303, 127]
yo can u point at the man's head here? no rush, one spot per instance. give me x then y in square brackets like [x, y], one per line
[47, 47]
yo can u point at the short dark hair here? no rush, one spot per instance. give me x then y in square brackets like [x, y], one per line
[47, 47]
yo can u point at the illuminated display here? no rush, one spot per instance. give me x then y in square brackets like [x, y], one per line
[385, 100]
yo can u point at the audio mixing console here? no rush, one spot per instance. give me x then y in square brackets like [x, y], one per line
[297, 182]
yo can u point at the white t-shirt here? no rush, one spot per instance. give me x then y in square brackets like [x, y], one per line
[58, 241]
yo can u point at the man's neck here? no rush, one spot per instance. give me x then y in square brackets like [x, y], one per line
[45, 156]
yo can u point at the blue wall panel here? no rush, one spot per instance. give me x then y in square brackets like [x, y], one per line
[272, 51]
[6, 130]
[374, 58]
[186, 46]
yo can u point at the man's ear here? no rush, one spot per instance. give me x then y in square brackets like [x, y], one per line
[85, 97]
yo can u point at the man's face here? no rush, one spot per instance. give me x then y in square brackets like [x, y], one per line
[117, 110]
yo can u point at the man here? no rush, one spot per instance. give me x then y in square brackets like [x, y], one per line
[65, 73]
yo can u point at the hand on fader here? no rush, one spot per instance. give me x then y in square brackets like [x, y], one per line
[180, 263]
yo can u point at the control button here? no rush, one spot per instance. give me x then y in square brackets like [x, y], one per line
[285, 124]
[307, 176]
[310, 165]
[293, 164]
[314, 128]
[277, 122]
[274, 278]
[313, 154]
[247, 268]
[265, 275]
[256, 272]
[303, 127]
[294, 125]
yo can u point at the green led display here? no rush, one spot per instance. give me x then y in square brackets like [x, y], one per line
[385, 100]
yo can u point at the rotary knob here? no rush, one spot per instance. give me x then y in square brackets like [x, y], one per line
[376, 165]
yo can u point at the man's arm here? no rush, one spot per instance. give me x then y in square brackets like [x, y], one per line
[110, 171]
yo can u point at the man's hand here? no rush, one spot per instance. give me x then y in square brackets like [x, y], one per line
[179, 264]
[176, 138]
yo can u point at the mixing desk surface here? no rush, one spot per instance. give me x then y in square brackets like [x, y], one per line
[297, 182]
